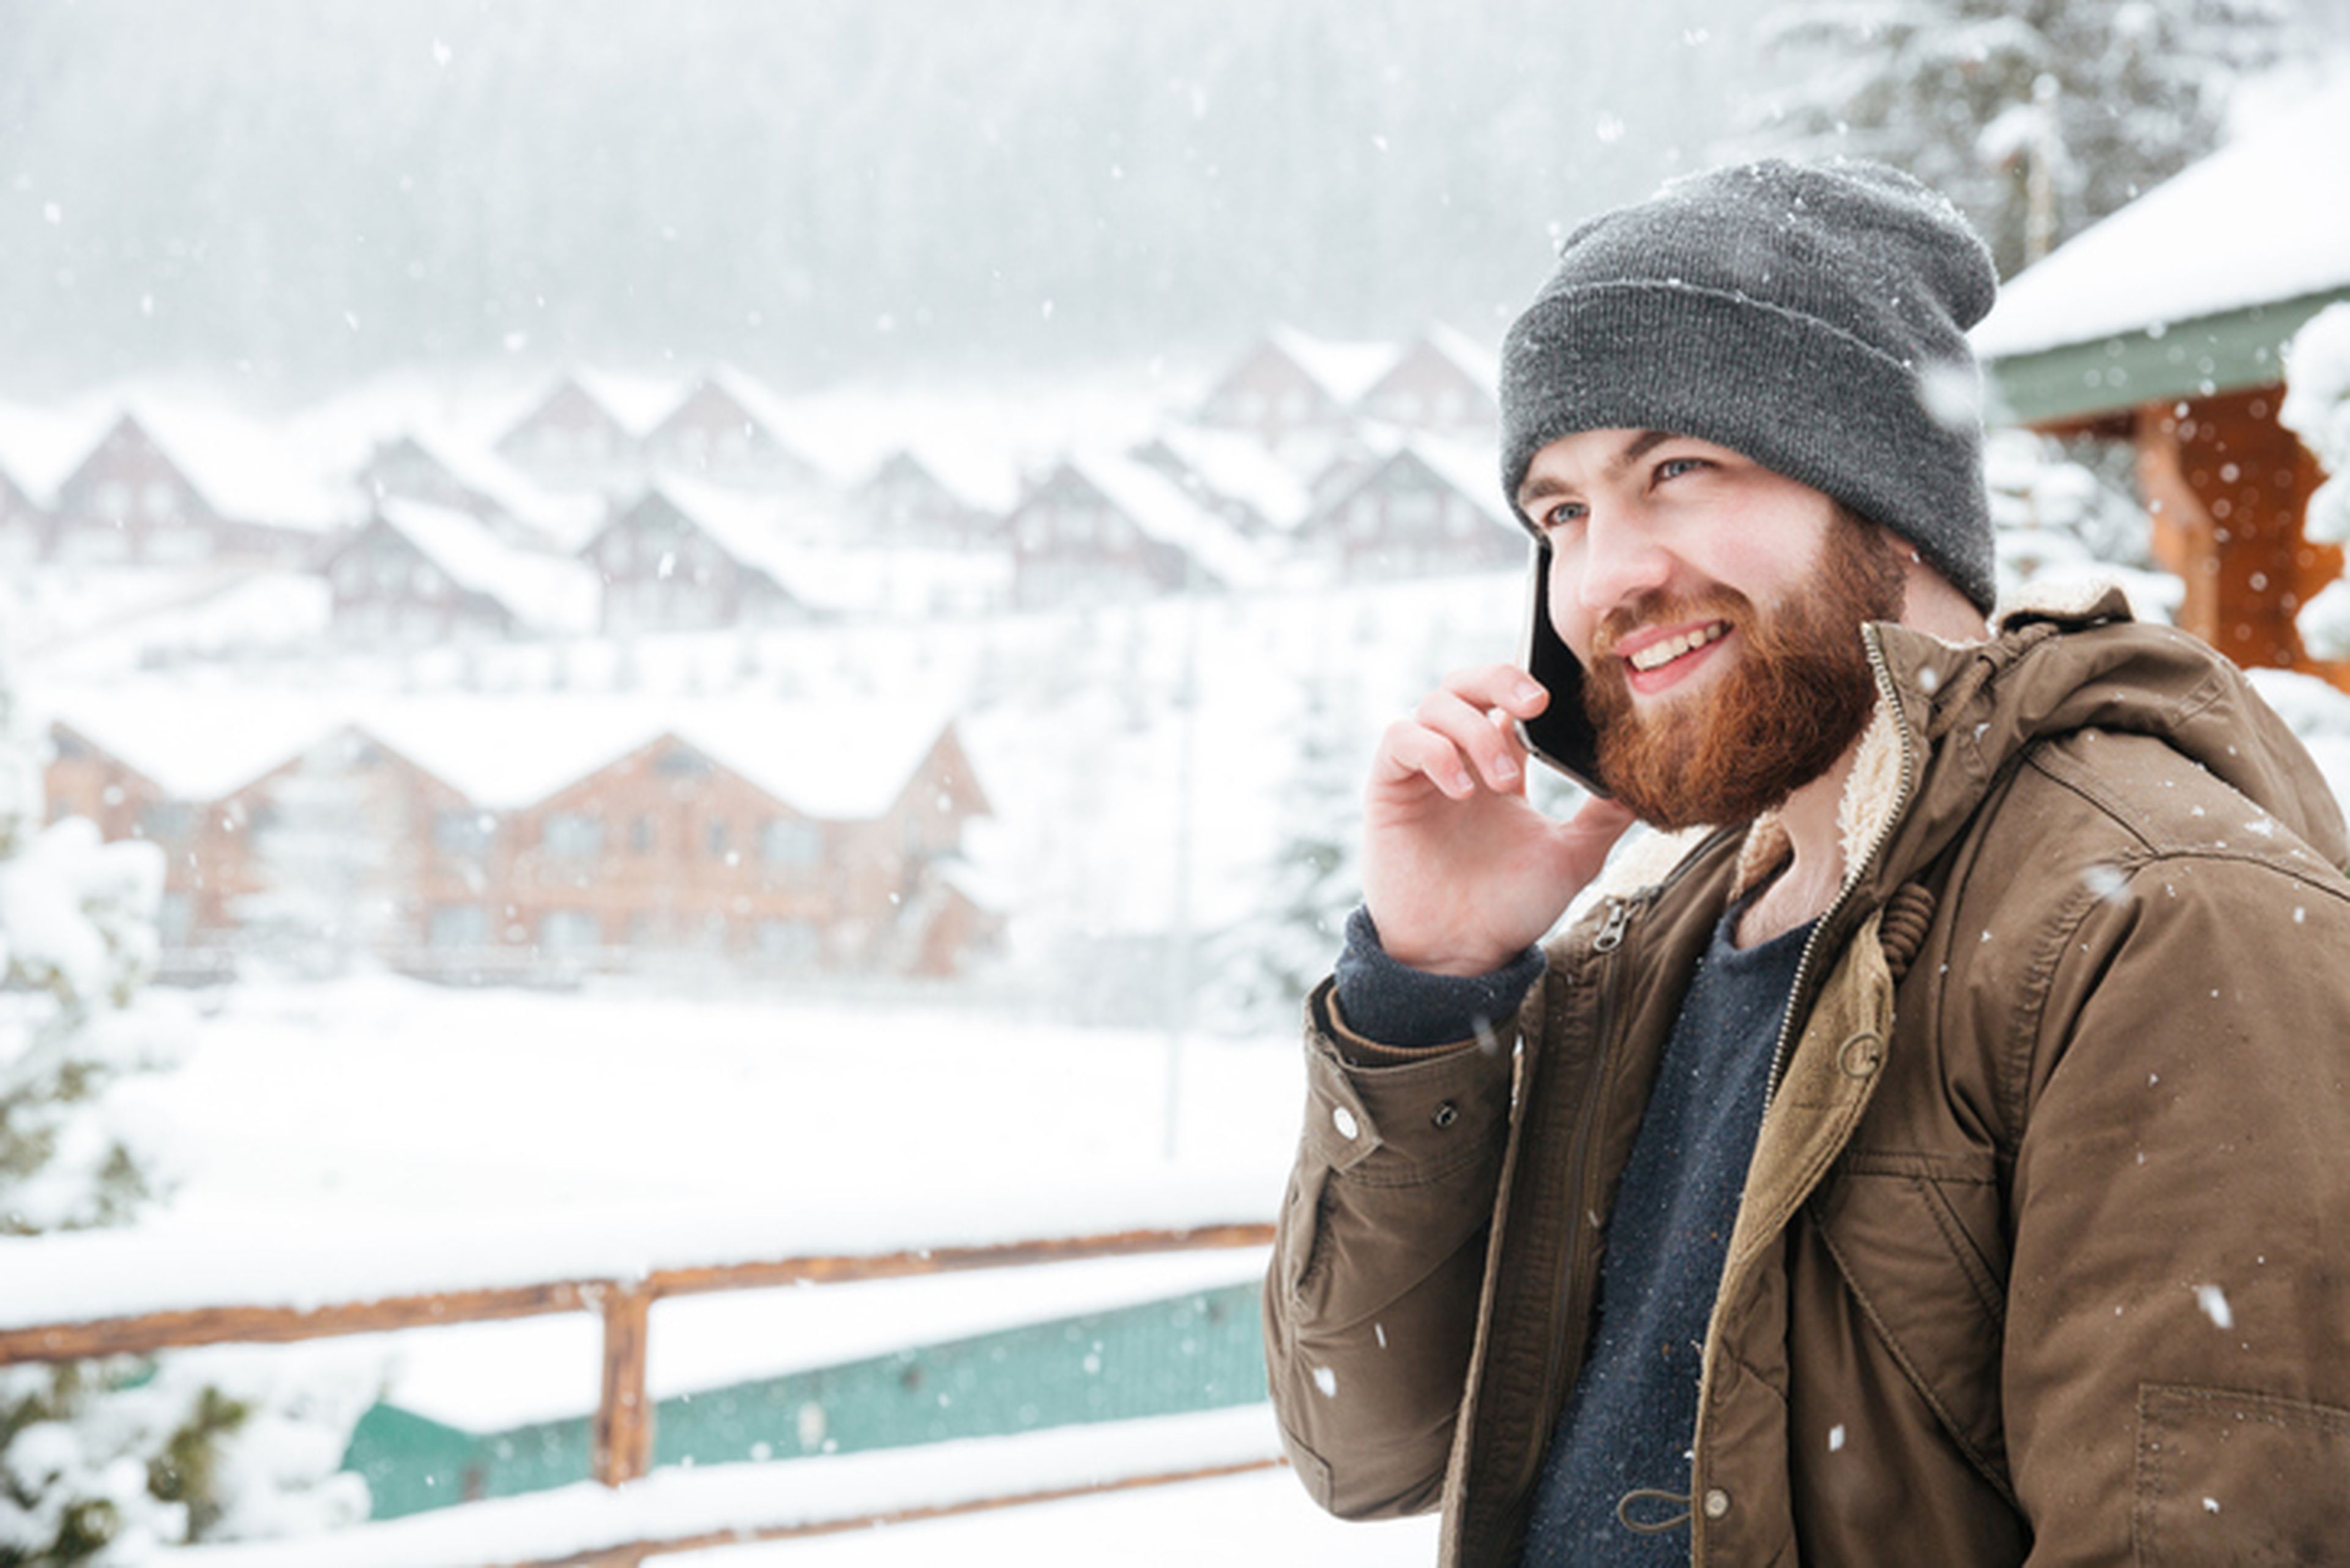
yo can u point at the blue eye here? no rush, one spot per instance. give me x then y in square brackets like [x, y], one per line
[1560, 515]
[1674, 467]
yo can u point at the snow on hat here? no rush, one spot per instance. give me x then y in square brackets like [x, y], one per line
[1810, 317]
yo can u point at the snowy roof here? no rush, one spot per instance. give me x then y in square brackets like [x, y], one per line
[546, 593]
[248, 471]
[979, 474]
[1344, 371]
[197, 748]
[1481, 362]
[1473, 469]
[1158, 507]
[1238, 466]
[204, 740]
[2251, 224]
[563, 519]
[40, 448]
[638, 402]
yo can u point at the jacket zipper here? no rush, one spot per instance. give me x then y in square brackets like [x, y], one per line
[1854, 874]
[1581, 1282]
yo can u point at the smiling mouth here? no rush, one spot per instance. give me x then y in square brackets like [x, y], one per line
[1657, 654]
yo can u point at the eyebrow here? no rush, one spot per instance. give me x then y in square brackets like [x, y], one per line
[1639, 447]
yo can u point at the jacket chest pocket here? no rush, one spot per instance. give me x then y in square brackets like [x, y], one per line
[1919, 1241]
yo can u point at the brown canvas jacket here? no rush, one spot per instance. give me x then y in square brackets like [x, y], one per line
[2045, 1252]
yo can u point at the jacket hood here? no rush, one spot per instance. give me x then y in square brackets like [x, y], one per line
[1966, 713]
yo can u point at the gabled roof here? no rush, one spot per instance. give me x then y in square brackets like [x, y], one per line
[246, 471]
[981, 476]
[2190, 290]
[41, 448]
[1481, 362]
[2251, 224]
[1473, 469]
[563, 519]
[1238, 467]
[1155, 505]
[545, 593]
[1346, 370]
[844, 761]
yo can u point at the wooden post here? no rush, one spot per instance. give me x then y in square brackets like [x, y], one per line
[624, 1417]
[2229, 486]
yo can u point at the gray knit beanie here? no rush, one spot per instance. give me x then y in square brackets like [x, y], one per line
[1810, 317]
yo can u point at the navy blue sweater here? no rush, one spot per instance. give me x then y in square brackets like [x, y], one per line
[1629, 1422]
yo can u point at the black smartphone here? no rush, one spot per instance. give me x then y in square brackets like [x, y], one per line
[1561, 734]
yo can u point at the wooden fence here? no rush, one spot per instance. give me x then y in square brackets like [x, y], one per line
[623, 1443]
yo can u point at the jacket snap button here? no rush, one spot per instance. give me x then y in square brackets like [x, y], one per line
[1861, 1054]
[1343, 1120]
[1717, 1503]
[1446, 1114]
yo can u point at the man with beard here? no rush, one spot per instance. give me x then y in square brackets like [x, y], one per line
[1936, 1149]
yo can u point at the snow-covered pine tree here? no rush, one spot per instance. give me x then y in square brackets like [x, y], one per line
[100, 1459]
[1265, 965]
[2037, 119]
[2316, 408]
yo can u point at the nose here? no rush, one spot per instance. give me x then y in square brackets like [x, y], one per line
[1621, 560]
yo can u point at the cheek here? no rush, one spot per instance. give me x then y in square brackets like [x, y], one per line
[1568, 618]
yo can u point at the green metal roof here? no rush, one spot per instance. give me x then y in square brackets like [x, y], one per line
[2225, 352]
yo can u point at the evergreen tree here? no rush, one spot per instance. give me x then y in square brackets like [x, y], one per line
[2037, 119]
[1267, 964]
[99, 1460]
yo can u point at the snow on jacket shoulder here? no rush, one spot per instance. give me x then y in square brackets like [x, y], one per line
[2038, 1255]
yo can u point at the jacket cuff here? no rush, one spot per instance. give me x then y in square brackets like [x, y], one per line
[1416, 1114]
[1389, 1004]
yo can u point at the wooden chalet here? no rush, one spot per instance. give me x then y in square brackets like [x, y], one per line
[135, 501]
[688, 558]
[2163, 326]
[1231, 475]
[1430, 508]
[495, 838]
[1442, 383]
[1291, 391]
[1106, 528]
[417, 574]
[572, 440]
[908, 501]
[727, 432]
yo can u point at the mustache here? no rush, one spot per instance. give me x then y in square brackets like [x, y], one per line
[1663, 609]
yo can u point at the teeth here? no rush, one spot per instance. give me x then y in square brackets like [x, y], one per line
[1672, 648]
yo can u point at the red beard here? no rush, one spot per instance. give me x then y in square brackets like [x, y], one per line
[1795, 699]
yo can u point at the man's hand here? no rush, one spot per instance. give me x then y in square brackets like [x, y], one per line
[1460, 875]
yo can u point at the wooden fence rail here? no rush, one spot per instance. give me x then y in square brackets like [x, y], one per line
[624, 1414]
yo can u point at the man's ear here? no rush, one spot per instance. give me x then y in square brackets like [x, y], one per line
[1928, 601]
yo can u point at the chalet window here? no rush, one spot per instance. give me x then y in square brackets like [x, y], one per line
[175, 919]
[718, 836]
[788, 843]
[788, 942]
[681, 764]
[427, 580]
[350, 574]
[168, 822]
[572, 835]
[462, 834]
[569, 931]
[160, 500]
[640, 835]
[458, 926]
[114, 500]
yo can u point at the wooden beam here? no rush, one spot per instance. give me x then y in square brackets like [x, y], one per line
[838, 1269]
[624, 1416]
[278, 1325]
[634, 1553]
